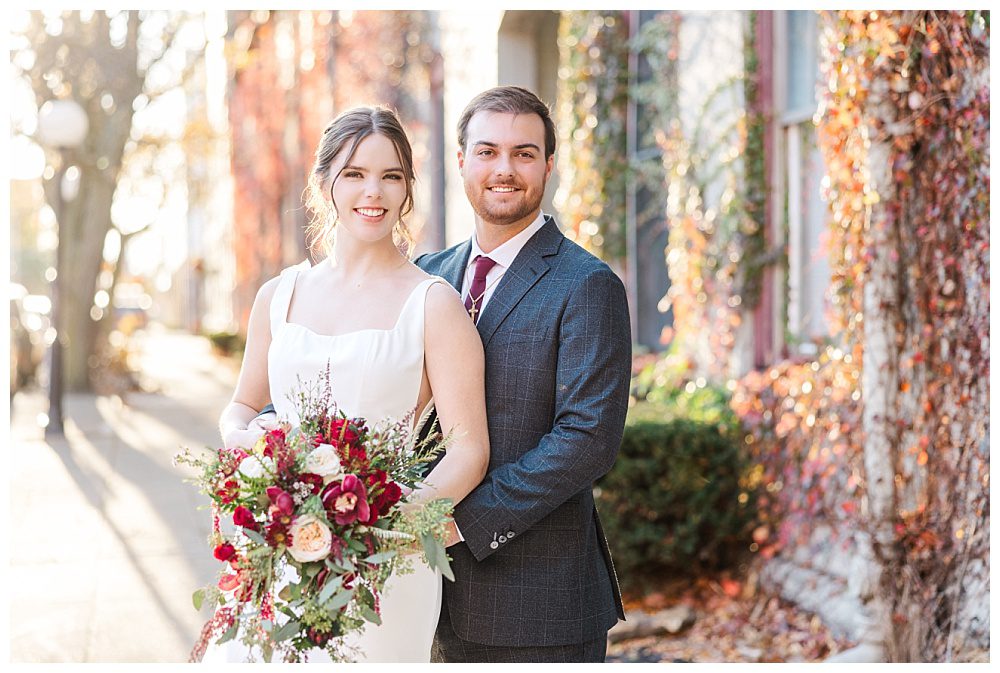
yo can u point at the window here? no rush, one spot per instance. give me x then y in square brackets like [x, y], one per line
[802, 212]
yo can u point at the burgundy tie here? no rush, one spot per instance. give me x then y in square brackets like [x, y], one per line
[474, 302]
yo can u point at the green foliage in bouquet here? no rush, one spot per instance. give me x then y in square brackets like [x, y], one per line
[677, 499]
[321, 520]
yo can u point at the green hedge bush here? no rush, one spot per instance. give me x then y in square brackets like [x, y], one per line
[675, 501]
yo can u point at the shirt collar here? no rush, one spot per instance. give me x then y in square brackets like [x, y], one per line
[504, 254]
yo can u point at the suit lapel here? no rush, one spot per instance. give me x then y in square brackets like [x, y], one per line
[528, 267]
[453, 269]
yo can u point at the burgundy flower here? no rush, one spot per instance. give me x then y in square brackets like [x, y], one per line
[347, 501]
[318, 638]
[244, 517]
[273, 439]
[337, 547]
[314, 481]
[281, 502]
[229, 491]
[224, 551]
[358, 458]
[277, 534]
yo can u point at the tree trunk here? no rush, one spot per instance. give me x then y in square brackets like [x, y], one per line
[879, 384]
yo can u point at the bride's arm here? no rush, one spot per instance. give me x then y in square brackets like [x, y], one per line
[453, 355]
[252, 391]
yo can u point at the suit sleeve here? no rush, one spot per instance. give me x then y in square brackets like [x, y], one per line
[591, 397]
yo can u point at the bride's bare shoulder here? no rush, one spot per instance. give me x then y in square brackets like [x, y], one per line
[445, 304]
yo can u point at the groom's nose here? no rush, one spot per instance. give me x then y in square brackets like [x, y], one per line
[503, 166]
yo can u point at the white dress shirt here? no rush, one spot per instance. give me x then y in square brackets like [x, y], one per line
[503, 255]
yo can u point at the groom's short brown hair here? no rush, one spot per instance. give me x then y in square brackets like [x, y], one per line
[511, 100]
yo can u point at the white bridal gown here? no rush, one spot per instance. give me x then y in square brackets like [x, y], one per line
[374, 374]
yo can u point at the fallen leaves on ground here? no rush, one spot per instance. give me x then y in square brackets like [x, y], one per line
[735, 623]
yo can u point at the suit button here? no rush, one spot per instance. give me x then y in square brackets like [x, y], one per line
[502, 539]
[510, 534]
[494, 544]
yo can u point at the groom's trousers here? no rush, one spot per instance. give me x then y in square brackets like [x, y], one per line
[449, 648]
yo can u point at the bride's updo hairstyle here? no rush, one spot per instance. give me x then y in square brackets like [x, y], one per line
[345, 133]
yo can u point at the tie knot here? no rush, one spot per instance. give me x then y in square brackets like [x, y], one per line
[483, 266]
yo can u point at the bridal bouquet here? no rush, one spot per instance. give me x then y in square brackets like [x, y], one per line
[320, 523]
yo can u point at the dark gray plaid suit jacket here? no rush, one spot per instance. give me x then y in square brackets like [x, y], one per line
[535, 569]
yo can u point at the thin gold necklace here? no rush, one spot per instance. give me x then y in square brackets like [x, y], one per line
[473, 308]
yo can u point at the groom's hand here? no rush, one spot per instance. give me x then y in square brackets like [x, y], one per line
[451, 535]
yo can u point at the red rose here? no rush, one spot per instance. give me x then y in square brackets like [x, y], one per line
[244, 517]
[347, 501]
[392, 495]
[385, 494]
[343, 431]
[224, 551]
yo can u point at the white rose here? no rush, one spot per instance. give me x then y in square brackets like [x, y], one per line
[324, 461]
[311, 539]
[253, 467]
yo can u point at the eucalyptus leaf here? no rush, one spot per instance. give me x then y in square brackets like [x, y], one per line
[286, 631]
[370, 615]
[437, 557]
[381, 557]
[254, 536]
[332, 584]
[230, 634]
[198, 597]
[339, 600]
[286, 593]
[365, 596]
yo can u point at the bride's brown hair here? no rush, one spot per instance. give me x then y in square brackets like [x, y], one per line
[347, 131]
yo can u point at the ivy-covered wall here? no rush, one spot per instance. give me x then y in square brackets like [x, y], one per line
[884, 440]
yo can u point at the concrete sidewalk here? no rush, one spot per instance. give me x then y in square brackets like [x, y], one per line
[106, 540]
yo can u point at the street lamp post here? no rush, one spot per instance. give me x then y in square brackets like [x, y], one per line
[62, 127]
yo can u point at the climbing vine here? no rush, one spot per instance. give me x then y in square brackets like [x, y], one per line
[590, 115]
[712, 169]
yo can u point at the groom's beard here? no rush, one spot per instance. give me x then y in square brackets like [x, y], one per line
[492, 211]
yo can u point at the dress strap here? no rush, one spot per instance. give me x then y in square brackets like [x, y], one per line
[282, 298]
[413, 311]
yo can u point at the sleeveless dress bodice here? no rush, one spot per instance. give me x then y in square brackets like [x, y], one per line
[374, 373]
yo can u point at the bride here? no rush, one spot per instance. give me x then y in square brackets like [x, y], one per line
[396, 338]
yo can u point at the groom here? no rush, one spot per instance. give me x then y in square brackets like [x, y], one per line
[534, 577]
